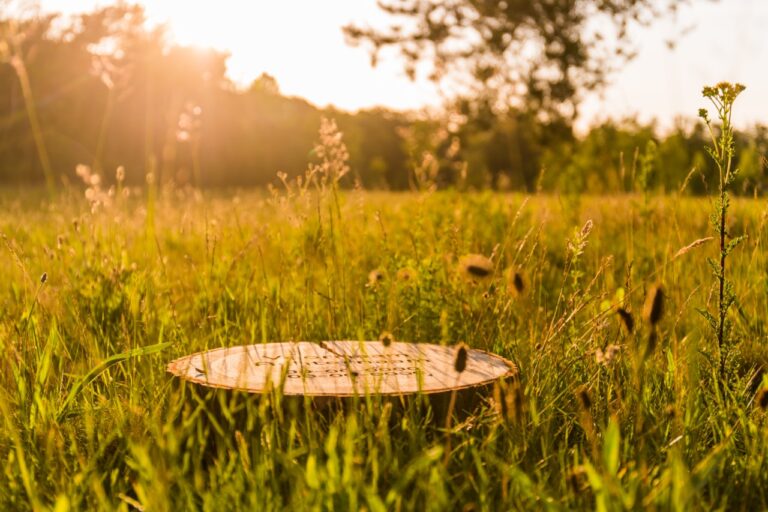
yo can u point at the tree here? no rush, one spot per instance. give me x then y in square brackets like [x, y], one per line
[540, 54]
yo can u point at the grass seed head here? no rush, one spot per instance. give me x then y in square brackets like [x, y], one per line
[654, 305]
[518, 283]
[386, 338]
[582, 395]
[762, 398]
[461, 359]
[626, 320]
[44, 278]
[691, 246]
[476, 267]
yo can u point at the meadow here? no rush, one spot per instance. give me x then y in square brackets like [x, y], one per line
[101, 289]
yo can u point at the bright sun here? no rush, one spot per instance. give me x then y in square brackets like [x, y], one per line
[299, 43]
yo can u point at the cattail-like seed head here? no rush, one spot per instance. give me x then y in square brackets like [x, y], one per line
[582, 395]
[461, 359]
[517, 282]
[626, 320]
[654, 305]
[44, 278]
[762, 398]
[386, 338]
[476, 266]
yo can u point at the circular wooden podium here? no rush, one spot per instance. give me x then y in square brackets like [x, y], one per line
[341, 368]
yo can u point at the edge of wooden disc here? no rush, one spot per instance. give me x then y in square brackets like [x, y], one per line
[180, 366]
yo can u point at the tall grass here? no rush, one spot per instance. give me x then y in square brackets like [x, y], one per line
[90, 419]
[612, 409]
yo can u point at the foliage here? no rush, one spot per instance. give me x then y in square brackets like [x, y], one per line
[723, 149]
[547, 52]
[109, 92]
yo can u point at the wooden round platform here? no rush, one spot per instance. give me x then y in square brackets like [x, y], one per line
[341, 368]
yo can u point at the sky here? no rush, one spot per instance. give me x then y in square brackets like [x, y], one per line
[300, 43]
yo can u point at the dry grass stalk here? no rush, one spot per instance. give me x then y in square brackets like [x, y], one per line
[691, 246]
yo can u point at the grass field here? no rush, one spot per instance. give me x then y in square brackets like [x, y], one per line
[599, 418]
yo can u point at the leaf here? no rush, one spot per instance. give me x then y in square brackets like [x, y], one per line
[101, 367]
[734, 243]
[596, 482]
[611, 447]
[374, 502]
[708, 316]
[715, 267]
[311, 474]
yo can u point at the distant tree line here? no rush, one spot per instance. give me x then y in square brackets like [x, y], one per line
[108, 92]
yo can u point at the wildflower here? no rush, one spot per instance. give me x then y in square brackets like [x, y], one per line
[607, 357]
[476, 266]
[386, 338]
[654, 305]
[84, 172]
[461, 359]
